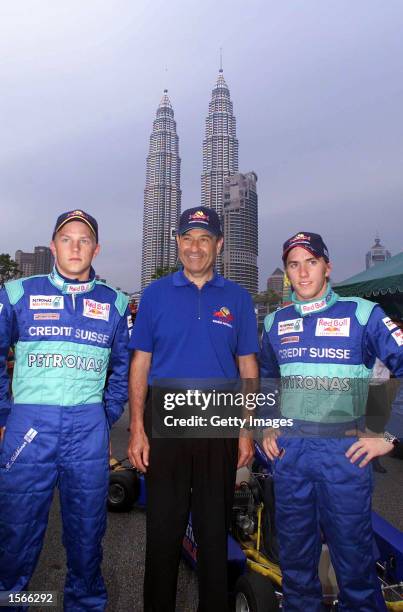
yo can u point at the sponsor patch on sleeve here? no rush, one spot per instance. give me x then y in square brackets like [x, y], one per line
[292, 325]
[389, 323]
[1, 308]
[398, 336]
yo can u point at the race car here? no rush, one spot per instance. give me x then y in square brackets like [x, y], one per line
[254, 571]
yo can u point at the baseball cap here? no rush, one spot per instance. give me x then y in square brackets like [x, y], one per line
[309, 241]
[76, 215]
[200, 217]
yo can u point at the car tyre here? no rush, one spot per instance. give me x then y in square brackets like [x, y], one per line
[124, 488]
[255, 593]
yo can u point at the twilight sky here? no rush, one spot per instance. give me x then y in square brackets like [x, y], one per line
[317, 89]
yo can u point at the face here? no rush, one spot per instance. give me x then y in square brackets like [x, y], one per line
[198, 250]
[308, 274]
[74, 247]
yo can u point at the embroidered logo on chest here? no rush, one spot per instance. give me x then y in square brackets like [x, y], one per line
[292, 325]
[289, 339]
[96, 310]
[46, 316]
[43, 302]
[332, 327]
[223, 316]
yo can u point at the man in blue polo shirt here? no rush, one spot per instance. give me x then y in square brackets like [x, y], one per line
[193, 324]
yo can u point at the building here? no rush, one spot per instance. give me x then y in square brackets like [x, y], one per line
[275, 281]
[162, 194]
[220, 146]
[39, 262]
[220, 149]
[377, 254]
[240, 226]
[43, 260]
[25, 263]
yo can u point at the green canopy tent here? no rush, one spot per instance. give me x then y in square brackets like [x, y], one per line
[382, 283]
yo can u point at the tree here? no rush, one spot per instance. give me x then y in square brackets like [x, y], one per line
[273, 298]
[163, 271]
[8, 268]
[269, 297]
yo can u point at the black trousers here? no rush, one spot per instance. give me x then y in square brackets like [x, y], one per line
[196, 475]
[378, 407]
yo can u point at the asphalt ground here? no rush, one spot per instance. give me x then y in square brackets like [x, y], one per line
[124, 543]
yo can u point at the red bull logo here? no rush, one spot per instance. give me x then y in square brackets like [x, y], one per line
[300, 237]
[96, 310]
[76, 213]
[199, 215]
[333, 327]
[224, 314]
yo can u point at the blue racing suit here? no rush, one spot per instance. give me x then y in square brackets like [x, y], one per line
[324, 352]
[66, 336]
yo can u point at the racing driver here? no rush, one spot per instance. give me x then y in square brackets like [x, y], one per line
[67, 329]
[324, 347]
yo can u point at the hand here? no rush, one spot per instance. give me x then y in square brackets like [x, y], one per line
[139, 450]
[246, 449]
[370, 446]
[2, 430]
[269, 442]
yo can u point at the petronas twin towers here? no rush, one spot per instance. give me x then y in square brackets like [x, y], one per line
[220, 146]
[162, 194]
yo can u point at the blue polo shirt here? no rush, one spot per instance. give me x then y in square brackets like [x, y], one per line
[195, 333]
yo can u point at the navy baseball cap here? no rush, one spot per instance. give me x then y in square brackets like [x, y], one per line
[76, 215]
[309, 241]
[200, 217]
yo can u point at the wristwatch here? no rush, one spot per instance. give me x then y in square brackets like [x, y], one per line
[388, 437]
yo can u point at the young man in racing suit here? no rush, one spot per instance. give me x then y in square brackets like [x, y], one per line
[324, 347]
[67, 329]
